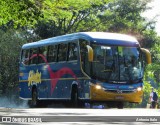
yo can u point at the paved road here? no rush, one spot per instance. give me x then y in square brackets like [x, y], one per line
[63, 116]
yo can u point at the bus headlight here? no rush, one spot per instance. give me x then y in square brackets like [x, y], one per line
[139, 89]
[98, 87]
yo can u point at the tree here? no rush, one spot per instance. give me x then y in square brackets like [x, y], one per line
[10, 48]
[61, 17]
[20, 12]
[125, 16]
[64, 16]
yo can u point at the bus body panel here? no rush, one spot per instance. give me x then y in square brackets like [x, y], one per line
[125, 93]
[96, 37]
[55, 83]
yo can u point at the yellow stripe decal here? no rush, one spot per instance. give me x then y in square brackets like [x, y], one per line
[80, 78]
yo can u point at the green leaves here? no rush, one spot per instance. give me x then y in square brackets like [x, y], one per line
[10, 48]
[21, 12]
[28, 12]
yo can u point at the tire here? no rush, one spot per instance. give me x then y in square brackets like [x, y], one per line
[34, 101]
[120, 105]
[91, 105]
[74, 97]
[75, 102]
[111, 104]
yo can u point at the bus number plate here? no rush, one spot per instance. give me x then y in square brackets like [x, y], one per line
[119, 97]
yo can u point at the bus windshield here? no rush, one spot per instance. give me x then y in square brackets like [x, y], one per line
[117, 64]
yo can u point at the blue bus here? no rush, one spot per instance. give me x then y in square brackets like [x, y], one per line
[93, 67]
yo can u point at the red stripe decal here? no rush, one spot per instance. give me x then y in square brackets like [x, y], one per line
[55, 76]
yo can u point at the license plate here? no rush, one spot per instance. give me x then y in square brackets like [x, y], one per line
[119, 97]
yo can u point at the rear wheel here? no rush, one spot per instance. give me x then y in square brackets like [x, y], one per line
[34, 101]
[34, 98]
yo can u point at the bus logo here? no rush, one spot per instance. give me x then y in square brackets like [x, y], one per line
[34, 77]
[119, 91]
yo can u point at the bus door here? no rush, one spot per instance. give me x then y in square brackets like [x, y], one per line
[86, 69]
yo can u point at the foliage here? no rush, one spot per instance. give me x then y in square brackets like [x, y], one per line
[9, 60]
[21, 12]
[61, 17]
[10, 46]
[125, 17]
[150, 80]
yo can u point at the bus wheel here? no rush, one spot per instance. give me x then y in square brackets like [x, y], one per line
[34, 102]
[111, 104]
[120, 105]
[74, 96]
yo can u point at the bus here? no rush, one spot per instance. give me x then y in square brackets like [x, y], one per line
[92, 67]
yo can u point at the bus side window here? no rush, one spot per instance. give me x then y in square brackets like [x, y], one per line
[42, 54]
[25, 57]
[33, 56]
[72, 55]
[84, 55]
[62, 51]
[52, 53]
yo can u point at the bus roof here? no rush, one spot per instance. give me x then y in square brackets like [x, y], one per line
[104, 38]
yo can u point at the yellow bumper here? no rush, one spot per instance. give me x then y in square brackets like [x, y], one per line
[101, 95]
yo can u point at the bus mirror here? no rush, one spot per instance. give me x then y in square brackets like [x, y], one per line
[90, 53]
[147, 55]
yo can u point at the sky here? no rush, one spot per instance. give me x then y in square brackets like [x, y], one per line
[150, 14]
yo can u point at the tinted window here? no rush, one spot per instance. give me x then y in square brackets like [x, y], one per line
[72, 54]
[25, 57]
[33, 56]
[52, 53]
[62, 51]
[42, 58]
[84, 55]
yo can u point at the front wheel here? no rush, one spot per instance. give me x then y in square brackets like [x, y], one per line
[74, 97]
[120, 105]
[75, 102]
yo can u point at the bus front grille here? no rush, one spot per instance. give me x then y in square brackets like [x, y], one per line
[120, 91]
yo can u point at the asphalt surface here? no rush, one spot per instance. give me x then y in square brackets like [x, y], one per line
[85, 116]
